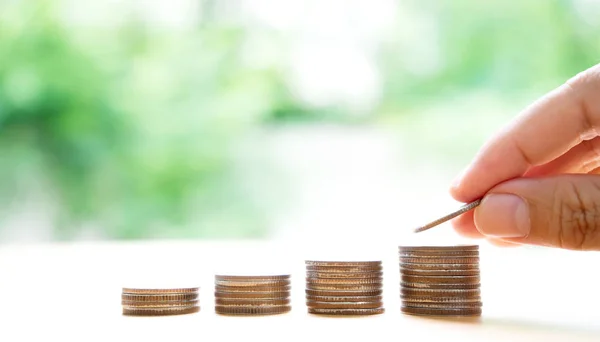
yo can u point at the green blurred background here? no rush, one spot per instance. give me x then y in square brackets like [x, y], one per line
[152, 119]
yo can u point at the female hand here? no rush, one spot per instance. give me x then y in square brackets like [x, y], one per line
[540, 176]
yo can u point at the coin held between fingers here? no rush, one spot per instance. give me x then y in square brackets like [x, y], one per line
[448, 217]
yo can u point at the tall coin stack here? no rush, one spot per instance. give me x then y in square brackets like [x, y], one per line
[440, 281]
[344, 288]
[252, 295]
[159, 302]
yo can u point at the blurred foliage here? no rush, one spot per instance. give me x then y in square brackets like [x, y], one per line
[132, 128]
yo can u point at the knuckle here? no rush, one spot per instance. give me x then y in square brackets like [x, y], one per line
[588, 79]
[578, 218]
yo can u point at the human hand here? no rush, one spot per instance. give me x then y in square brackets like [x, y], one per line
[540, 176]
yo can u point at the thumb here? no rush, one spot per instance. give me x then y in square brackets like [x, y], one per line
[559, 211]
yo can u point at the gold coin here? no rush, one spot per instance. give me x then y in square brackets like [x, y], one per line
[343, 275]
[345, 269]
[343, 293]
[343, 263]
[160, 312]
[439, 292]
[251, 301]
[440, 260]
[252, 310]
[345, 281]
[440, 286]
[130, 305]
[337, 287]
[160, 291]
[346, 312]
[437, 255]
[441, 312]
[254, 278]
[445, 305]
[174, 297]
[446, 272]
[439, 249]
[416, 300]
[221, 288]
[344, 298]
[253, 295]
[440, 267]
[424, 279]
[344, 305]
[231, 283]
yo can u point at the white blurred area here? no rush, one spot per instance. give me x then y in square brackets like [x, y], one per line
[348, 183]
[357, 186]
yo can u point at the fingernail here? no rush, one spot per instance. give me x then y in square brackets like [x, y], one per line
[503, 215]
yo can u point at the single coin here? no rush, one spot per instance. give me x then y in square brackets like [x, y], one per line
[436, 267]
[460, 211]
[438, 254]
[442, 249]
[344, 298]
[344, 269]
[475, 279]
[251, 310]
[252, 301]
[253, 295]
[336, 287]
[344, 281]
[344, 305]
[441, 312]
[343, 293]
[230, 283]
[221, 288]
[160, 312]
[468, 272]
[253, 278]
[410, 299]
[439, 292]
[438, 260]
[158, 298]
[344, 275]
[426, 256]
[127, 290]
[446, 305]
[342, 263]
[439, 286]
[131, 305]
[346, 312]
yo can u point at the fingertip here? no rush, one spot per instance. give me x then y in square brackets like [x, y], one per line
[460, 189]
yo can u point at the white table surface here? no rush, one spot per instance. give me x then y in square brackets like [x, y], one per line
[71, 292]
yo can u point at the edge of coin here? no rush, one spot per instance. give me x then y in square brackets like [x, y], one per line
[252, 310]
[131, 290]
[346, 312]
[160, 312]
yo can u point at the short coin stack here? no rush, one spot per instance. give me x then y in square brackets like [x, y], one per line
[344, 288]
[252, 295]
[159, 302]
[440, 281]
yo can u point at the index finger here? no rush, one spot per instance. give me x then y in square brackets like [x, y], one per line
[542, 132]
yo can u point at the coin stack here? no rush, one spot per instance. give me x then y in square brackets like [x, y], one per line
[344, 288]
[159, 302]
[252, 295]
[440, 281]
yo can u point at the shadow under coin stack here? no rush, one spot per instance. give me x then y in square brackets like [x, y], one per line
[440, 281]
[252, 295]
[344, 288]
[159, 302]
